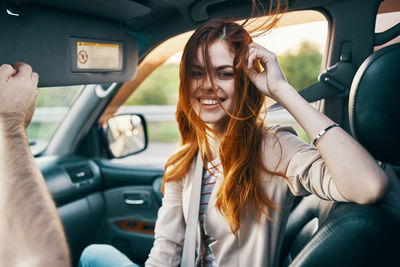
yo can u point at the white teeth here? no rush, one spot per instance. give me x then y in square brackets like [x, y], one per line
[209, 101]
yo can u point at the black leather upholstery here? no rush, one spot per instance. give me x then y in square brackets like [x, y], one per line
[322, 233]
[374, 104]
[351, 235]
[302, 225]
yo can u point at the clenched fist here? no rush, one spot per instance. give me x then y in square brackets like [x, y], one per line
[18, 92]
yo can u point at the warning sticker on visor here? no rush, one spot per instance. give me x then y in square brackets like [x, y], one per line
[91, 55]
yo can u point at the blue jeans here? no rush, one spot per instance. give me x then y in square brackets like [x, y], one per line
[104, 256]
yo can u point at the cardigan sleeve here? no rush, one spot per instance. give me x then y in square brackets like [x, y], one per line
[169, 229]
[303, 165]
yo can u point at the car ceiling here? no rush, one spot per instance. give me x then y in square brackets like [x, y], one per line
[140, 24]
[152, 21]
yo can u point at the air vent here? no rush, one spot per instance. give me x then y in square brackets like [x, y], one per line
[79, 172]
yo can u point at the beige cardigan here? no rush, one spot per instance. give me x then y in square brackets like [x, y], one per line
[258, 242]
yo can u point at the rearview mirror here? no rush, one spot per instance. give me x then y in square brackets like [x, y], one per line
[125, 134]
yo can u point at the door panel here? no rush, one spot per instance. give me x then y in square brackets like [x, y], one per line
[104, 202]
[131, 205]
[129, 220]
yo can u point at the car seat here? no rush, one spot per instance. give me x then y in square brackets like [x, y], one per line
[324, 233]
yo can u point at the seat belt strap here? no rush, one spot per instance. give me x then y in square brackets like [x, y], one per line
[189, 245]
[334, 81]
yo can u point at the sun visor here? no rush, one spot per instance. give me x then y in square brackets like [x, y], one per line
[67, 48]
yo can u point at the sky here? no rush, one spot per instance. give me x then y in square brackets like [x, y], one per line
[288, 38]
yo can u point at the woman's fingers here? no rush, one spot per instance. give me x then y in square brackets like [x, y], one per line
[271, 79]
[258, 52]
[252, 74]
[252, 58]
[255, 45]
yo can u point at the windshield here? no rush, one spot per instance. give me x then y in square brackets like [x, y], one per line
[52, 105]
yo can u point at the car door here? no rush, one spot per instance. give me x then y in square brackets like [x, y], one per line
[131, 200]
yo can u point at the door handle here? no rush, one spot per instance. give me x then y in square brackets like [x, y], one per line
[137, 199]
[134, 201]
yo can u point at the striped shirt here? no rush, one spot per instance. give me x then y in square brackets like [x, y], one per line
[207, 185]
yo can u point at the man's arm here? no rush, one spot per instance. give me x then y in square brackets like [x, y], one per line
[31, 232]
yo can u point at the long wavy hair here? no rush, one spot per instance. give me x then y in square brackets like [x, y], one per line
[240, 150]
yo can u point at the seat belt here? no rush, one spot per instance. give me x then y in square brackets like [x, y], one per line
[189, 245]
[334, 81]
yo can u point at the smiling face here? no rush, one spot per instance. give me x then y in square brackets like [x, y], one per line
[203, 99]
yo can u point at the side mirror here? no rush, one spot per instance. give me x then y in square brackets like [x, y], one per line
[125, 134]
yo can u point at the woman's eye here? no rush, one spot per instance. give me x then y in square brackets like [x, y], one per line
[197, 74]
[225, 75]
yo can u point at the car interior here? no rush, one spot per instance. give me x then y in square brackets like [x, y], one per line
[101, 200]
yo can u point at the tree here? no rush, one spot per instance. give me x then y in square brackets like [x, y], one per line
[160, 88]
[302, 69]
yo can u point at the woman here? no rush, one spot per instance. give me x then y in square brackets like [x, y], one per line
[253, 171]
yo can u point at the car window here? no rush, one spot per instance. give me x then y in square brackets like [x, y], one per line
[51, 106]
[299, 47]
[156, 99]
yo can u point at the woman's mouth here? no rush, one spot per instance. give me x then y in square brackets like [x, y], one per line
[210, 102]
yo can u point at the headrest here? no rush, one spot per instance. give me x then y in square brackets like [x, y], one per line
[374, 104]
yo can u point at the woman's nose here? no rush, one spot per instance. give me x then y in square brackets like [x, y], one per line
[207, 86]
[207, 83]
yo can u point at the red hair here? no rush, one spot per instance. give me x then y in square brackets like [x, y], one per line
[240, 150]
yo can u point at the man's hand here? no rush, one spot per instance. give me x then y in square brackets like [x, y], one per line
[18, 92]
[31, 231]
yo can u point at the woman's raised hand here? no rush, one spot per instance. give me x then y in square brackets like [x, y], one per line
[271, 79]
